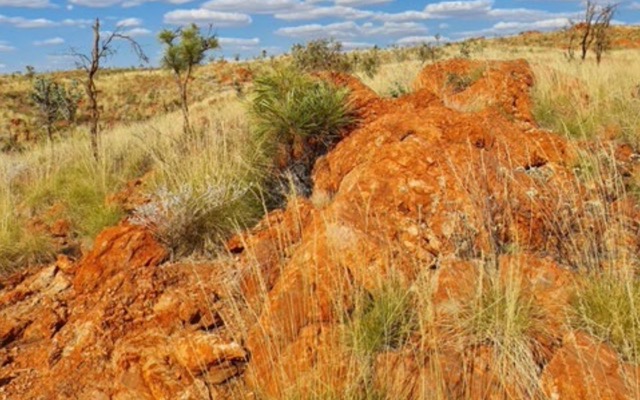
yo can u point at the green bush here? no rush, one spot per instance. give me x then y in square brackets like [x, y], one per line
[429, 52]
[300, 116]
[321, 55]
[368, 62]
[55, 102]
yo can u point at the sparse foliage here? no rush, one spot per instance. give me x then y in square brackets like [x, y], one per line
[571, 52]
[607, 308]
[587, 37]
[600, 30]
[30, 71]
[594, 29]
[184, 49]
[55, 102]
[368, 62]
[101, 50]
[429, 52]
[321, 55]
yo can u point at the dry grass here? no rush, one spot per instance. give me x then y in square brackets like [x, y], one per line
[574, 99]
[63, 181]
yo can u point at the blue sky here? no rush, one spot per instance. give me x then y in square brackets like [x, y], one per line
[42, 32]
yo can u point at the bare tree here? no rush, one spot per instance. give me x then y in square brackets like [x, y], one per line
[601, 30]
[587, 37]
[572, 32]
[102, 49]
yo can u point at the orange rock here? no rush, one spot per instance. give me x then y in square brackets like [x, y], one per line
[584, 369]
[116, 248]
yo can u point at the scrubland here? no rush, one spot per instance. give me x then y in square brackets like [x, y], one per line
[195, 193]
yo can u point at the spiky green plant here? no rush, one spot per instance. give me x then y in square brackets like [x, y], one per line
[299, 114]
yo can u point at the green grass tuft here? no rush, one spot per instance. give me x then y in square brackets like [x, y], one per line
[382, 320]
[608, 308]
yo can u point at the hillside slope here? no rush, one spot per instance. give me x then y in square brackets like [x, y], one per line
[451, 193]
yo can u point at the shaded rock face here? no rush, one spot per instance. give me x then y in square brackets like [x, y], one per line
[437, 184]
[115, 326]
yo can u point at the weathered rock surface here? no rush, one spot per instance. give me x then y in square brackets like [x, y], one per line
[426, 185]
[433, 181]
[116, 325]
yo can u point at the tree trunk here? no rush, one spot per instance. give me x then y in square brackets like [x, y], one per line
[184, 104]
[92, 90]
[587, 37]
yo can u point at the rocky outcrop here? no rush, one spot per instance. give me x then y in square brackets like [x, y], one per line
[438, 186]
[116, 326]
[439, 180]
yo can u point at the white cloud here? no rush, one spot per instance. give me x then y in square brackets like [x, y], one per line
[26, 3]
[252, 6]
[324, 12]
[357, 45]
[137, 32]
[336, 30]
[4, 46]
[355, 3]
[508, 28]
[413, 40]
[122, 3]
[239, 42]
[21, 22]
[458, 8]
[349, 29]
[129, 23]
[205, 17]
[49, 42]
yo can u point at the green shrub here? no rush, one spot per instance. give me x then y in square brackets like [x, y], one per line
[503, 317]
[608, 308]
[55, 102]
[299, 115]
[368, 62]
[429, 52]
[398, 89]
[188, 218]
[320, 55]
[500, 315]
[460, 83]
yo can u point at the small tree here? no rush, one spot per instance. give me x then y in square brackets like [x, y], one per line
[91, 64]
[587, 37]
[593, 29]
[369, 62]
[601, 30]
[55, 103]
[184, 49]
[30, 71]
[321, 55]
